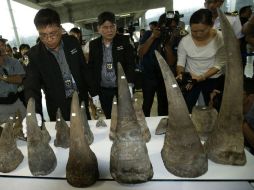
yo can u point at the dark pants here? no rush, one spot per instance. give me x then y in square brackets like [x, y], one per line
[67, 110]
[106, 98]
[206, 87]
[149, 88]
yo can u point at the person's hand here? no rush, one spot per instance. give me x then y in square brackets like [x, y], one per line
[96, 102]
[39, 122]
[156, 33]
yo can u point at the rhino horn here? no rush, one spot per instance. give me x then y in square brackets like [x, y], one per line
[17, 129]
[41, 157]
[204, 118]
[88, 133]
[141, 119]
[82, 167]
[226, 143]
[62, 131]
[182, 153]
[10, 155]
[129, 160]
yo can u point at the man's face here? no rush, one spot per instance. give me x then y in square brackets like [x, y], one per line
[107, 30]
[24, 51]
[50, 36]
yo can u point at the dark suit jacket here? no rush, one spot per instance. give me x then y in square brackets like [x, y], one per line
[122, 52]
[43, 72]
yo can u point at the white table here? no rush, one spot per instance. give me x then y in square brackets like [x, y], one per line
[217, 177]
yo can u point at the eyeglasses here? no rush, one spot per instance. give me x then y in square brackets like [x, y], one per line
[51, 35]
[108, 27]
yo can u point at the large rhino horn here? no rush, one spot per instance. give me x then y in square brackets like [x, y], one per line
[129, 160]
[226, 144]
[82, 167]
[10, 155]
[182, 152]
[41, 157]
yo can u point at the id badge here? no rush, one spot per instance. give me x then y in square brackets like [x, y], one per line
[109, 67]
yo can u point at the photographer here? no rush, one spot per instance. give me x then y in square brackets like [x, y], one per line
[162, 39]
[201, 54]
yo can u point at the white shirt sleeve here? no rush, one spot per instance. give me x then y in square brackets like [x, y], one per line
[181, 54]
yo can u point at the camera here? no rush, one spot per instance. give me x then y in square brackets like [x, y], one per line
[186, 79]
[170, 29]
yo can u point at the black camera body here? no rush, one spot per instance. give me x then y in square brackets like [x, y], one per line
[186, 79]
[174, 34]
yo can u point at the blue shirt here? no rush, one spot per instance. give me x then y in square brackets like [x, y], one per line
[10, 67]
[69, 82]
[108, 74]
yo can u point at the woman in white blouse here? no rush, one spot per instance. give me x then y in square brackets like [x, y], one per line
[202, 54]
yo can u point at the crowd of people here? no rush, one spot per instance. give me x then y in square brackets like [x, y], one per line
[60, 63]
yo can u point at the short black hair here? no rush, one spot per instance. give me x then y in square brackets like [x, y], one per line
[24, 46]
[106, 16]
[45, 17]
[163, 20]
[202, 16]
[154, 23]
[243, 9]
[76, 30]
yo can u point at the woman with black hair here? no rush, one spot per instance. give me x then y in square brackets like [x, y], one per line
[201, 53]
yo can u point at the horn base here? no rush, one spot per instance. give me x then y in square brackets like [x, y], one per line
[10, 160]
[129, 161]
[185, 165]
[183, 154]
[204, 119]
[82, 172]
[41, 159]
[226, 147]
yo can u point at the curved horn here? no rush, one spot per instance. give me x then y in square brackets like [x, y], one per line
[182, 152]
[226, 144]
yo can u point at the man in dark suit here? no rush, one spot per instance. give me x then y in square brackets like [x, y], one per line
[105, 53]
[57, 65]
